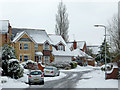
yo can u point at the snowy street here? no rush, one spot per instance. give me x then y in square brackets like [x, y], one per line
[68, 81]
[81, 77]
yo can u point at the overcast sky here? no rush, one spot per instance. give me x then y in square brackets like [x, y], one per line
[83, 14]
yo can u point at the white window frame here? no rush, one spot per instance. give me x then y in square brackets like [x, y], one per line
[20, 46]
[25, 46]
[60, 47]
[46, 59]
[27, 57]
[36, 46]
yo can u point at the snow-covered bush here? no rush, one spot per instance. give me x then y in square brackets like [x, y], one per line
[73, 64]
[60, 65]
[8, 52]
[108, 67]
[15, 70]
[31, 65]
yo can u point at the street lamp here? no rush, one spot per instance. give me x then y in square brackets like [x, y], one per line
[105, 47]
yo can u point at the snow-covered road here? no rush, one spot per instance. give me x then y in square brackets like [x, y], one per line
[81, 77]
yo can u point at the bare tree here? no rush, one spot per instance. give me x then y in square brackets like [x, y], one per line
[62, 22]
[114, 33]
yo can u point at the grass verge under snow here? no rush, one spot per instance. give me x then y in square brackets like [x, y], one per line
[96, 80]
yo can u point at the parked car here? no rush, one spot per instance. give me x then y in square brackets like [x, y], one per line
[51, 71]
[36, 76]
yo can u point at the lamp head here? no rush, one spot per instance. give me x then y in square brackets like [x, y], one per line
[96, 25]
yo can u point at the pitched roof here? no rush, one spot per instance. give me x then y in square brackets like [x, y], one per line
[56, 39]
[78, 52]
[17, 37]
[4, 26]
[38, 35]
[95, 48]
[80, 44]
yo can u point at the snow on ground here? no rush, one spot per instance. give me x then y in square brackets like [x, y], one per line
[62, 75]
[96, 79]
[21, 82]
[74, 75]
[11, 83]
[80, 68]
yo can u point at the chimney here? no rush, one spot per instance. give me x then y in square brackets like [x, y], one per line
[74, 44]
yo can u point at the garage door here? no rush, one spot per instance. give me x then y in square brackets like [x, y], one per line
[62, 59]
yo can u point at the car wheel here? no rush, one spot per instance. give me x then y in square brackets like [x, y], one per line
[58, 74]
[42, 82]
[29, 83]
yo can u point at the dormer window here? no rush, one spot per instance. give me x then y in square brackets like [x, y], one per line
[46, 46]
[61, 47]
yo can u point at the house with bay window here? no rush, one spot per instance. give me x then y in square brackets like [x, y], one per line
[61, 52]
[32, 44]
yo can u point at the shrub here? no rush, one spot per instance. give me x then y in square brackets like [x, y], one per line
[73, 64]
[14, 69]
[31, 65]
[60, 65]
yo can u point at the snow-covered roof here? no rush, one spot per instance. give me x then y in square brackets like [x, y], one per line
[80, 44]
[39, 36]
[67, 52]
[39, 53]
[4, 26]
[77, 52]
[19, 35]
[94, 48]
[56, 39]
[88, 56]
[70, 45]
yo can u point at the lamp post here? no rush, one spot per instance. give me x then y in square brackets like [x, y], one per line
[105, 47]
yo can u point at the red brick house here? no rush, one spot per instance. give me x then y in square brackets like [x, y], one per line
[77, 44]
[79, 50]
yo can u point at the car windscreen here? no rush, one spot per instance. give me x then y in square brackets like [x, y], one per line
[36, 73]
[49, 68]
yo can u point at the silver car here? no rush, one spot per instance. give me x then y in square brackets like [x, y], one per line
[51, 71]
[36, 76]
